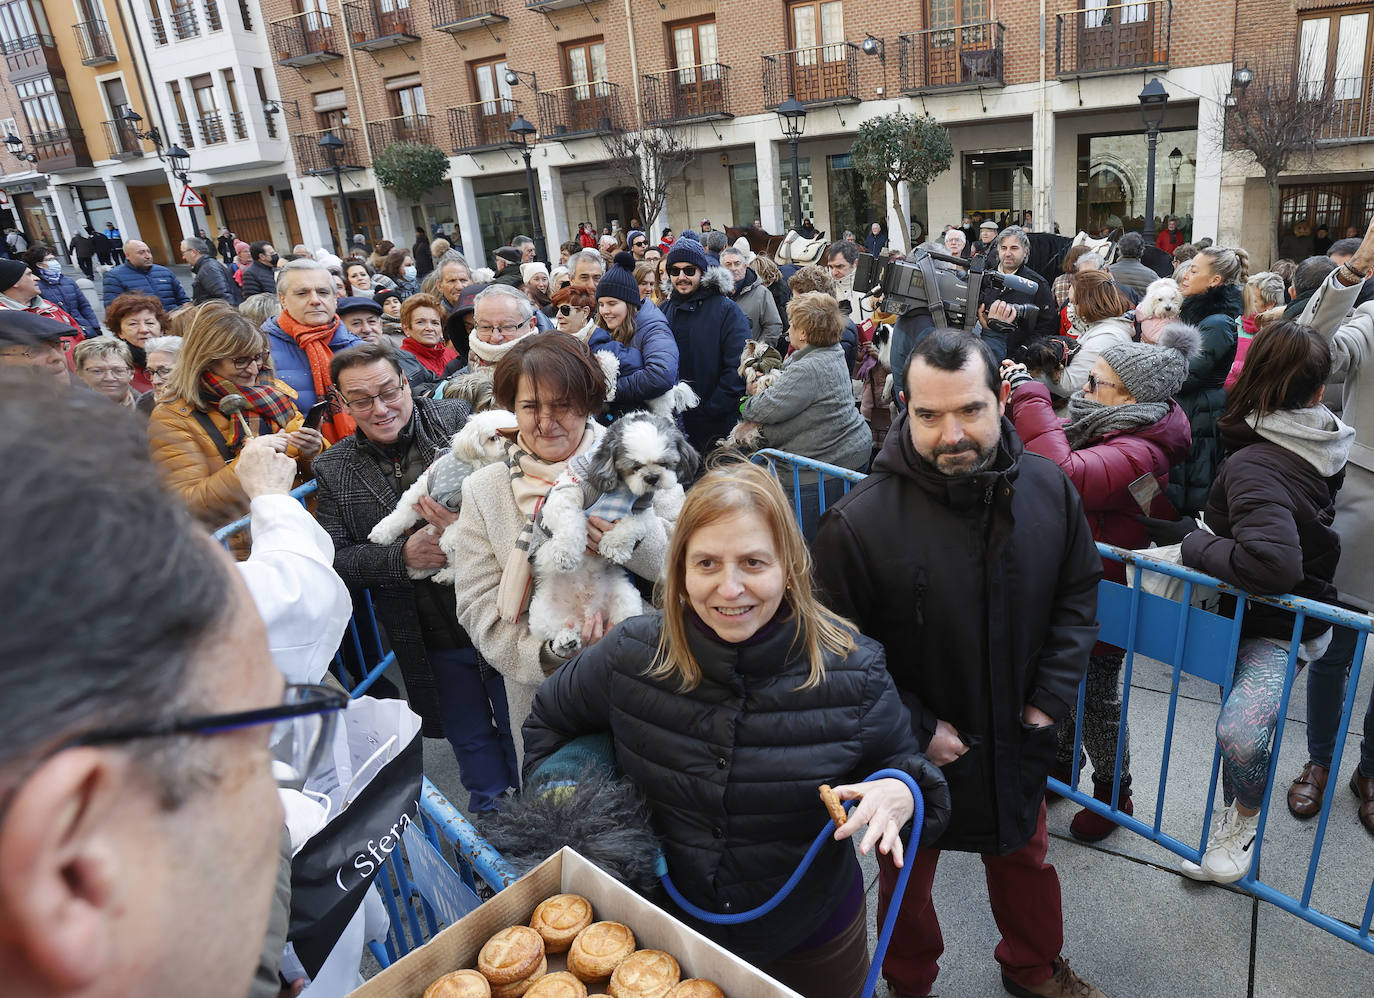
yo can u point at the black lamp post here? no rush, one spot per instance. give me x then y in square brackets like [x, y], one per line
[1153, 100]
[1175, 165]
[792, 118]
[332, 146]
[180, 162]
[524, 132]
[15, 145]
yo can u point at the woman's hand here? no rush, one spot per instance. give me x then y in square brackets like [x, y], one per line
[307, 442]
[435, 513]
[593, 629]
[886, 806]
[1015, 374]
[596, 529]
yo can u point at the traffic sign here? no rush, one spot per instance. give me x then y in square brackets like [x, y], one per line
[190, 199]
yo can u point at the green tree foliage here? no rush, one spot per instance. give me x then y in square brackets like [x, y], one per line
[410, 169]
[901, 147]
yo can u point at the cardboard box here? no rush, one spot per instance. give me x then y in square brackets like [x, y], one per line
[567, 872]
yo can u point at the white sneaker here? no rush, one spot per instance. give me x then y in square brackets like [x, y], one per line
[1231, 847]
[1192, 870]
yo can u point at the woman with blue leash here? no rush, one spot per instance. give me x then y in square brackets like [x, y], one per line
[727, 710]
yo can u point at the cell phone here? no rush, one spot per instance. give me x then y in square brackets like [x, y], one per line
[315, 416]
[1150, 497]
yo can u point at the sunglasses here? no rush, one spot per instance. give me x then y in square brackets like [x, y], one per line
[1094, 383]
[638, 242]
[567, 310]
[683, 270]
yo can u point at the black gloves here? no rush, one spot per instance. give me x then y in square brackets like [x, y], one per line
[935, 792]
[1166, 532]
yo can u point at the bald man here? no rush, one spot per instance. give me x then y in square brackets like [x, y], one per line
[138, 273]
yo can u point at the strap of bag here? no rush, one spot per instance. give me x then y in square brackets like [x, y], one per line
[216, 437]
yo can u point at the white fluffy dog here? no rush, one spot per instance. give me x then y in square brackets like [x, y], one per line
[479, 443]
[641, 457]
[675, 400]
[1161, 305]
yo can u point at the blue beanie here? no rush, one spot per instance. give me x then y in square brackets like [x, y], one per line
[688, 251]
[690, 235]
[620, 282]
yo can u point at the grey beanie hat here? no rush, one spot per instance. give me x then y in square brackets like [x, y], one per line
[1154, 372]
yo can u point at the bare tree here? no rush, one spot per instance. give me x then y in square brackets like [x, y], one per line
[648, 161]
[1280, 119]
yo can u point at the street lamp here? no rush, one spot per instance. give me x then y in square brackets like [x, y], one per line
[332, 146]
[1153, 100]
[792, 118]
[178, 161]
[524, 132]
[1175, 165]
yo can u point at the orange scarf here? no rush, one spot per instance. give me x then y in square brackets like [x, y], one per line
[314, 340]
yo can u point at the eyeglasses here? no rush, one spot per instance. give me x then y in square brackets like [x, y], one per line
[243, 363]
[301, 727]
[683, 270]
[638, 242]
[1094, 383]
[567, 310]
[122, 371]
[158, 372]
[362, 406]
[485, 329]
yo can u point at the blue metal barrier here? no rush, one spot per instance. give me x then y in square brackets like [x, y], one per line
[1199, 643]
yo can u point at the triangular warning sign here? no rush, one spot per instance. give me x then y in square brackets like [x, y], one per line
[190, 199]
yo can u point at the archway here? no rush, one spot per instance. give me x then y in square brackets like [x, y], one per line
[619, 203]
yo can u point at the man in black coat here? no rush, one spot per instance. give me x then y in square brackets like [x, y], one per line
[212, 281]
[259, 277]
[970, 561]
[455, 692]
[1013, 246]
[83, 248]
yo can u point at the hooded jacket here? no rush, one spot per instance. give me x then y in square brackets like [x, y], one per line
[710, 331]
[65, 293]
[1203, 396]
[759, 307]
[1271, 508]
[648, 363]
[156, 280]
[982, 590]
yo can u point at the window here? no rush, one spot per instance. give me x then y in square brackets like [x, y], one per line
[235, 114]
[8, 126]
[20, 25]
[331, 110]
[317, 14]
[1334, 49]
[407, 97]
[951, 13]
[818, 25]
[174, 89]
[490, 86]
[42, 111]
[694, 46]
[586, 64]
[1096, 14]
[116, 97]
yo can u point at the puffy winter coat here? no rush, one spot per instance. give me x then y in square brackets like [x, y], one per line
[758, 306]
[730, 768]
[982, 590]
[810, 410]
[65, 293]
[711, 332]
[1203, 396]
[156, 280]
[213, 283]
[648, 363]
[1102, 471]
[258, 278]
[290, 364]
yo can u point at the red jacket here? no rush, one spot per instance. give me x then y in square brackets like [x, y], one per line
[1102, 471]
[1169, 241]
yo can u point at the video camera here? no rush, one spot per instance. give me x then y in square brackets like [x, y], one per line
[949, 293]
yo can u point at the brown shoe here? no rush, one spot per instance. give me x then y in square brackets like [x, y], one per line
[1063, 983]
[1305, 795]
[1363, 788]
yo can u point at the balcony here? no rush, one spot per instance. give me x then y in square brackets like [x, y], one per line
[311, 159]
[159, 29]
[960, 57]
[211, 128]
[689, 93]
[580, 109]
[1119, 38]
[403, 128]
[94, 42]
[187, 133]
[30, 55]
[59, 149]
[185, 23]
[212, 18]
[240, 126]
[454, 16]
[305, 39]
[121, 140]
[543, 6]
[817, 75]
[482, 125]
[370, 28]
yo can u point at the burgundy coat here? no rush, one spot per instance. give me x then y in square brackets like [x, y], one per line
[1102, 471]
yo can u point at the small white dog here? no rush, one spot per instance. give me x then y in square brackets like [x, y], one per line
[479, 443]
[759, 365]
[675, 400]
[1161, 305]
[641, 458]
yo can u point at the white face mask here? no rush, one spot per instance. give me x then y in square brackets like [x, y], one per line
[53, 266]
[409, 273]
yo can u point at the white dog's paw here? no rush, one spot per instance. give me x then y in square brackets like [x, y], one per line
[566, 643]
[387, 531]
[617, 546]
[446, 576]
[555, 557]
[421, 573]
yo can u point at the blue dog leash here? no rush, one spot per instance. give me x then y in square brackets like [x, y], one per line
[884, 937]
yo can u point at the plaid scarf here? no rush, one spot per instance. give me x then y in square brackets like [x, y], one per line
[314, 340]
[263, 400]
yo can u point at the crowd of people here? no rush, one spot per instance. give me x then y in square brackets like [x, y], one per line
[773, 653]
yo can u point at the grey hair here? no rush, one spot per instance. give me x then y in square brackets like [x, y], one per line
[1131, 246]
[590, 256]
[715, 241]
[733, 251]
[163, 344]
[1090, 258]
[201, 246]
[1266, 283]
[520, 242]
[1017, 233]
[506, 291]
[297, 266]
[258, 308]
[101, 346]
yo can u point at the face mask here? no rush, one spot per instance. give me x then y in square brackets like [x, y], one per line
[275, 259]
[53, 267]
[409, 273]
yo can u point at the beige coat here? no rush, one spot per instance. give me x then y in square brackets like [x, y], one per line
[488, 526]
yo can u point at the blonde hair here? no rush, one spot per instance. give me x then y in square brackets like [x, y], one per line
[102, 346]
[215, 331]
[733, 486]
[766, 269]
[817, 315]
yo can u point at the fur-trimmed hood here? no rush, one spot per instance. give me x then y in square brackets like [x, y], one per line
[716, 280]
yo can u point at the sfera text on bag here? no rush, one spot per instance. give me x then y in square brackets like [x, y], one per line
[367, 863]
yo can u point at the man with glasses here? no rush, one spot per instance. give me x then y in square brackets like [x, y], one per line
[454, 691]
[711, 332]
[638, 243]
[34, 342]
[140, 823]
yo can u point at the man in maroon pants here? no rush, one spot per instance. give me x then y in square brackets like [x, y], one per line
[969, 559]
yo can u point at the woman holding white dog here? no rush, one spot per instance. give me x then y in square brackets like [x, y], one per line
[637, 335]
[554, 387]
[727, 710]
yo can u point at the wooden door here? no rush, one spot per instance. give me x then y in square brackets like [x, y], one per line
[818, 65]
[317, 25]
[697, 85]
[963, 48]
[245, 216]
[394, 17]
[1113, 35]
[168, 212]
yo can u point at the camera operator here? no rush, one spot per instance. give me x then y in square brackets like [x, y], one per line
[1013, 245]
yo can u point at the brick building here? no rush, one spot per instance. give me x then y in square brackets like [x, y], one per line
[1053, 129]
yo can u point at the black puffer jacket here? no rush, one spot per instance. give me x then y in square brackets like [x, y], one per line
[730, 769]
[982, 590]
[1203, 395]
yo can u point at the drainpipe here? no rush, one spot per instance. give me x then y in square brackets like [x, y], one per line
[634, 67]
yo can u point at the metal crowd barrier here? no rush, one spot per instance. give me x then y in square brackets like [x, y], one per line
[1191, 641]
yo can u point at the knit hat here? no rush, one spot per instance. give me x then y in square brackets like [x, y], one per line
[633, 235]
[690, 235]
[1155, 372]
[620, 282]
[528, 270]
[11, 271]
[381, 296]
[688, 251]
[240, 246]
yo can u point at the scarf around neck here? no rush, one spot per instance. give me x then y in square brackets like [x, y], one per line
[432, 358]
[263, 400]
[484, 354]
[314, 340]
[531, 477]
[1089, 420]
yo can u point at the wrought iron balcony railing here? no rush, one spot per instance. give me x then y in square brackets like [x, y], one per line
[211, 128]
[371, 28]
[185, 23]
[402, 128]
[962, 56]
[454, 16]
[121, 139]
[239, 125]
[579, 109]
[306, 39]
[1117, 38]
[818, 74]
[94, 42]
[482, 124]
[688, 93]
[310, 158]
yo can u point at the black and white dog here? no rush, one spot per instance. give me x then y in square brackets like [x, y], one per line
[641, 461]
